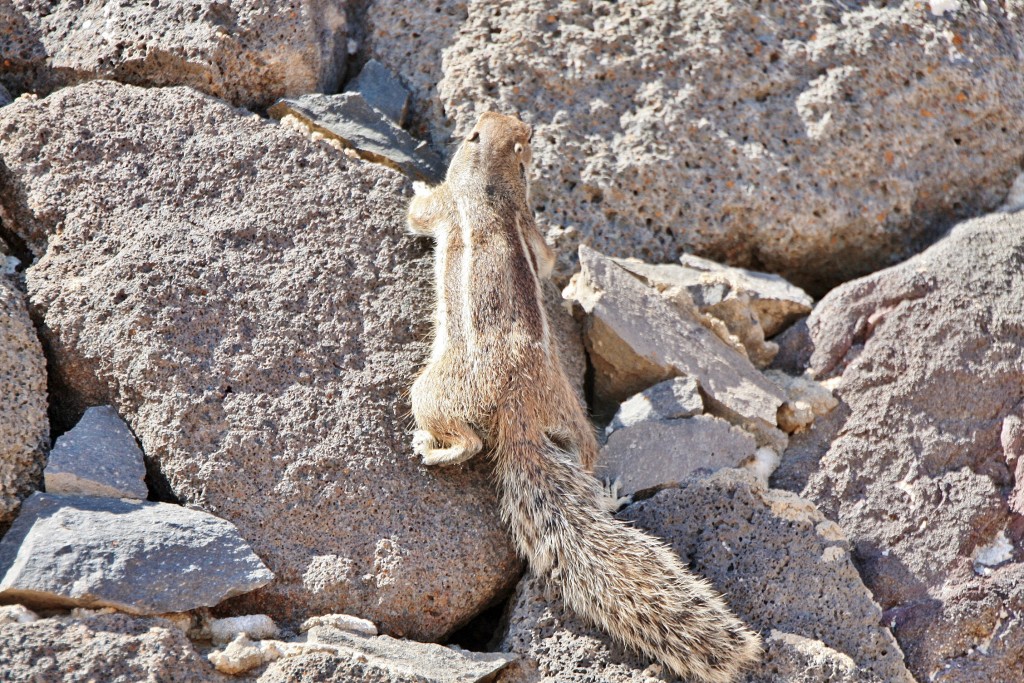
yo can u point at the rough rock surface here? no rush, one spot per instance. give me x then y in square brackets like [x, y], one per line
[249, 52]
[349, 119]
[798, 138]
[931, 354]
[637, 338]
[118, 648]
[781, 564]
[656, 453]
[143, 558]
[24, 426]
[99, 457]
[258, 318]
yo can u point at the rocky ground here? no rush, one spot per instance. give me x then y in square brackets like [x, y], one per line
[789, 287]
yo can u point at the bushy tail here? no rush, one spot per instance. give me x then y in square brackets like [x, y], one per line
[627, 583]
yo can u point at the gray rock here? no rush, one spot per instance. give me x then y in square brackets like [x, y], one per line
[24, 428]
[114, 648]
[781, 565]
[99, 457]
[929, 355]
[795, 348]
[259, 329]
[5, 97]
[798, 138]
[671, 399]
[752, 306]
[248, 52]
[382, 90]
[637, 338]
[138, 557]
[349, 119]
[382, 659]
[657, 453]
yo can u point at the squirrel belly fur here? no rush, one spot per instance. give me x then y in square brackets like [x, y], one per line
[494, 380]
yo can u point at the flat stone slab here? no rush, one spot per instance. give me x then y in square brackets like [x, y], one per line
[658, 453]
[138, 557]
[99, 457]
[351, 120]
[382, 90]
[674, 398]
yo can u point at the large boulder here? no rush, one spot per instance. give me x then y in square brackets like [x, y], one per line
[24, 428]
[922, 460]
[249, 52]
[248, 301]
[783, 567]
[800, 138]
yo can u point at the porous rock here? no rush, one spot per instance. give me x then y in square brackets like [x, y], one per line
[248, 52]
[139, 557]
[637, 338]
[798, 138]
[99, 457]
[348, 118]
[656, 453]
[381, 90]
[24, 427]
[751, 306]
[258, 318]
[929, 356]
[118, 648]
[781, 565]
[668, 400]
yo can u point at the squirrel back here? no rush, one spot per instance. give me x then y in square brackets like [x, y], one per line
[494, 379]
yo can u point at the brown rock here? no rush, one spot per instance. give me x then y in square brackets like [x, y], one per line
[248, 301]
[929, 355]
[24, 427]
[101, 647]
[797, 138]
[248, 52]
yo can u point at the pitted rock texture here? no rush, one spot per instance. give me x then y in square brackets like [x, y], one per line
[24, 426]
[248, 52]
[930, 355]
[799, 138]
[247, 299]
[114, 648]
[138, 557]
[781, 565]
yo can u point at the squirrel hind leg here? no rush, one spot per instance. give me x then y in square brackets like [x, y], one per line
[465, 444]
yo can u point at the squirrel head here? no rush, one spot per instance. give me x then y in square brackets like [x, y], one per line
[496, 152]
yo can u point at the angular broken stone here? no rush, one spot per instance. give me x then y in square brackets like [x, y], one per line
[658, 453]
[99, 457]
[674, 398]
[5, 97]
[138, 557]
[349, 119]
[338, 656]
[382, 90]
[752, 306]
[636, 338]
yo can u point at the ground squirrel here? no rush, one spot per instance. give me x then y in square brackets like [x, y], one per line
[494, 379]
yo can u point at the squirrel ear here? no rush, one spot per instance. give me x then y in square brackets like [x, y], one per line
[474, 136]
[519, 148]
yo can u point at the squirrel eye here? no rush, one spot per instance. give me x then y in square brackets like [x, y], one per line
[519, 148]
[474, 136]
